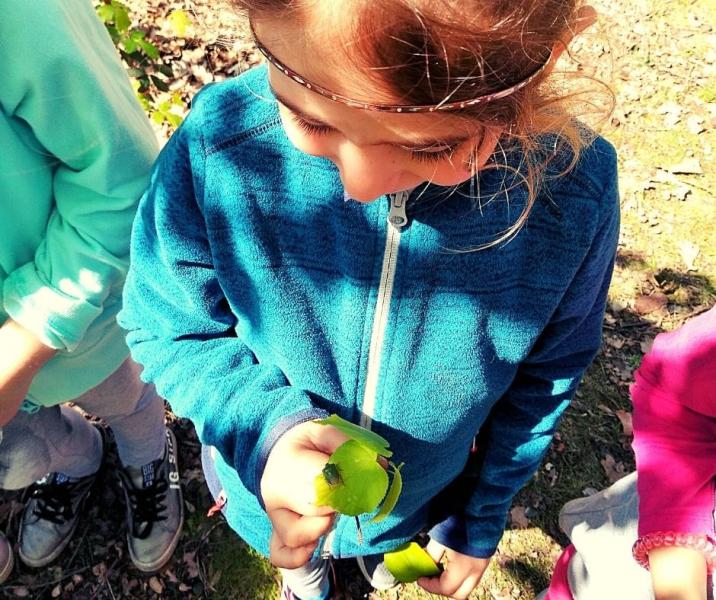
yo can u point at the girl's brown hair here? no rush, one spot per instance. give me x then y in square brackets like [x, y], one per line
[427, 51]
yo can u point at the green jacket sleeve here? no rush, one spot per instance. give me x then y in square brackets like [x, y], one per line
[67, 95]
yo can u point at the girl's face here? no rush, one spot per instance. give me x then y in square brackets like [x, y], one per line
[376, 153]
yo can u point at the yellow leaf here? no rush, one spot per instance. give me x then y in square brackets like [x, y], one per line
[179, 21]
[410, 562]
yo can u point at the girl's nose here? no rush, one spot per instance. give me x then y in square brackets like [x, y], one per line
[367, 172]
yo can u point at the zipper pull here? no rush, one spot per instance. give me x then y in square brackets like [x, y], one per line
[397, 216]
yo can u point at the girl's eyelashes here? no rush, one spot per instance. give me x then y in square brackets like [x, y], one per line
[426, 155]
[311, 128]
[429, 155]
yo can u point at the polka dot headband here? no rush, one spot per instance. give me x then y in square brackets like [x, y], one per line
[396, 108]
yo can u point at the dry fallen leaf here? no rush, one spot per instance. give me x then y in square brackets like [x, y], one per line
[646, 344]
[689, 166]
[695, 124]
[501, 594]
[614, 470]
[648, 304]
[192, 569]
[626, 421]
[156, 585]
[689, 253]
[614, 341]
[518, 517]
[605, 409]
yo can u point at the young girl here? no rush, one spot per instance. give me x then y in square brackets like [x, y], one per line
[661, 518]
[326, 235]
[76, 154]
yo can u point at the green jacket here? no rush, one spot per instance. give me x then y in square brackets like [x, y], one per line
[75, 154]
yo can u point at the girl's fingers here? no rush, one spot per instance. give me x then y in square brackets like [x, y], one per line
[452, 584]
[327, 438]
[289, 558]
[435, 550]
[295, 531]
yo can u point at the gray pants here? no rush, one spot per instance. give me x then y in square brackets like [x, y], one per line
[60, 439]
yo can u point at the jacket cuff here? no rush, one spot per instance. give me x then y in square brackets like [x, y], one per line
[473, 537]
[56, 318]
[281, 427]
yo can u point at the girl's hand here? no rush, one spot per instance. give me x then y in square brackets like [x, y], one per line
[22, 356]
[462, 574]
[289, 495]
[678, 573]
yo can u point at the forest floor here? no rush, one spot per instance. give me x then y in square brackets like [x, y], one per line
[659, 59]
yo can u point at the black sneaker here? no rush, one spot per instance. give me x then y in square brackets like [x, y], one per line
[51, 515]
[155, 509]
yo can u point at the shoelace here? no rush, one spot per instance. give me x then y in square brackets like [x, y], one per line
[147, 507]
[54, 501]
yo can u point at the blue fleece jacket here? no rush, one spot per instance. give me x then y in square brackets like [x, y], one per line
[251, 303]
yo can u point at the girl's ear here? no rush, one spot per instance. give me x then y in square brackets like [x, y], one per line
[585, 18]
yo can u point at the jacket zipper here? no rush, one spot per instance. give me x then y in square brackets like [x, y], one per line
[397, 219]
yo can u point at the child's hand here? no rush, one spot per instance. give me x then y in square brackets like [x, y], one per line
[461, 575]
[678, 573]
[22, 356]
[288, 492]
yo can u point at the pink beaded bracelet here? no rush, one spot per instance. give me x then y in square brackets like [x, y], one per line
[659, 539]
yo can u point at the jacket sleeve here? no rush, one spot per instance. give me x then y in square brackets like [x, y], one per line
[66, 91]
[522, 423]
[675, 430]
[182, 330]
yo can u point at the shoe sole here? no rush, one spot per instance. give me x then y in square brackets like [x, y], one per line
[167, 554]
[5, 573]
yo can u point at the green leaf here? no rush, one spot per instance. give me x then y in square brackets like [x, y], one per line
[361, 484]
[174, 120]
[179, 22]
[366, 437]
[391, 498]
[410, 562]
[106, 13]
[143, 100]
[165, 70]
[159, 84]
[149, 49]
[121, 17]
[129, 45]
[113, 33]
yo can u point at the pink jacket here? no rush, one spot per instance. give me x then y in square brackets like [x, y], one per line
[675, 429]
